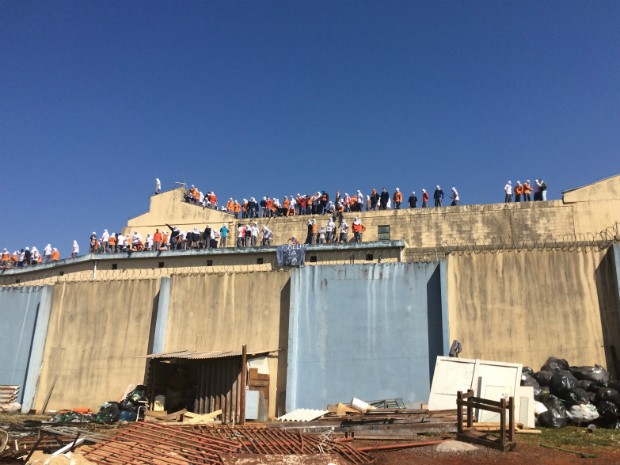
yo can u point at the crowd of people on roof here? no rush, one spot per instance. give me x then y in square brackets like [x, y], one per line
[318, 203]
[523, 192]
[250, 235]
[28, 257]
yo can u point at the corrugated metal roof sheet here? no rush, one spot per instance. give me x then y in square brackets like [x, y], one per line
[303, 414]
[194, 355]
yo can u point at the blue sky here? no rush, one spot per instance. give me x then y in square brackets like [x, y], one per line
[253, 98]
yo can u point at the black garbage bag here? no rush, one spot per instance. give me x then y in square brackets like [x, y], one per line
[555, 416]
[607, 410]
[541, 393]
[576, 396]
[614, 384]
[527, 379]
[138, 395]
[562, 382]
[610, 395]
[127, 405]
[527, 370]
[553, 364]
[544, 377]
[595, 373]
[109, 412]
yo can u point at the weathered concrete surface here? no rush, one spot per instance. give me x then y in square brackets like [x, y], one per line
[522, 306]
[366, 331]
[97, 336]
[228, 310]
[170, 208]
[18, 315]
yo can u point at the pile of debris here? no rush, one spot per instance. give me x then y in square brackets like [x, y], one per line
[576, 394]
[130, 408]
[180, 445]
[8, 399]
[384, 419]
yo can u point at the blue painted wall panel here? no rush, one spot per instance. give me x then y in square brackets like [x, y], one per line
[18, 314]
[369, 331]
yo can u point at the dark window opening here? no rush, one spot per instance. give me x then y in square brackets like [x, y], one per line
[260, 261]
[115, 266]
[370, 257]
[161, 264]
[313, 258]
[209, 262]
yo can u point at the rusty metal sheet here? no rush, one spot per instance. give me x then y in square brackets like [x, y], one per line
[148, 443]
[253, 459]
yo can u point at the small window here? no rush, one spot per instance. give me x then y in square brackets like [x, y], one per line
[115, 266]
[61, 273]
[370, 257]
[313, 258]
[260, 261]
[384, 232]
[161, 264]
[209, 262]
[17, 281]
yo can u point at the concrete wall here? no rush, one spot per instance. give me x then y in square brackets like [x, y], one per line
[225, 311]
[170, 207]
[369, 331]
[582, 215]
[97, 335]
[524, 306]
[19, 308]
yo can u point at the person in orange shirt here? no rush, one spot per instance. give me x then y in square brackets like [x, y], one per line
[527, 191]
[112, 242]
[285, 205]
[6, 256]
[230, 206]
[157, 239]
[55, 254]
[398, 198]
[237, 209]
[518, 191]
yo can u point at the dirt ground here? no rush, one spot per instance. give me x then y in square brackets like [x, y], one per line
[523, 454]
[528, 451]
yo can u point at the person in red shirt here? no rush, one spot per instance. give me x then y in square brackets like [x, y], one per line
[424, 198]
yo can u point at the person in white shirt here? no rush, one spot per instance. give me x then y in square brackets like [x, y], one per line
[157, 186]
[508, 192]
[455, 197]
[267, 236]
[105, 239]
[75, 250]
[344, 231]
[47, 253]
[254, 239]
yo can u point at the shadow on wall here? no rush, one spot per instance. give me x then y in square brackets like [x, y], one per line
[607, 285]
[285, 309]
[434, 317]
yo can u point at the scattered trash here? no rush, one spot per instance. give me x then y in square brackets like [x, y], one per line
[577, 394]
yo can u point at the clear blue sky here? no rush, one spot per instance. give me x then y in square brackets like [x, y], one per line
[253, 98]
